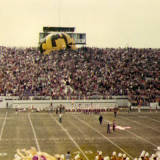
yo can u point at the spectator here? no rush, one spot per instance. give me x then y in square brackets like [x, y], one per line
[68, 156]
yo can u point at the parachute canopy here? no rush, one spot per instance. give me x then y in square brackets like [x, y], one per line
[56, 41]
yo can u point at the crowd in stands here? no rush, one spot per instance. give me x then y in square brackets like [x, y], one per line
[84, 73]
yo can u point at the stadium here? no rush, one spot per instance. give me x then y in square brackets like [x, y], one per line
[64, 99]
[79, 84]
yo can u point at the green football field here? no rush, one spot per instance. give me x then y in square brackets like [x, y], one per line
[78, 133]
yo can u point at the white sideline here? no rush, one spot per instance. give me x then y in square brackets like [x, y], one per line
[34, 133]
[140, 124]
[76, 144]
[3, 125]
[116, 145]
[57, 140]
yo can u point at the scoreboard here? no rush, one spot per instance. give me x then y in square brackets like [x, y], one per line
[79, 38]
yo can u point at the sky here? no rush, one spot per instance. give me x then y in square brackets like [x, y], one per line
[107, 23]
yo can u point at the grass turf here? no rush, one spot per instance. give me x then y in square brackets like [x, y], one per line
[78, 132]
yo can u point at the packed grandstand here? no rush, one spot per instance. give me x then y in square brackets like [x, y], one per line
[83, 73]
[90, 73]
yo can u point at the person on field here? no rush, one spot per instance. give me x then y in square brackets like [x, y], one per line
[114, 126]
[100, 119]
[115, 110]
[60, 118]
[108, 128]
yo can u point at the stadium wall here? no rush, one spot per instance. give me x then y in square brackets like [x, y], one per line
[109, 103]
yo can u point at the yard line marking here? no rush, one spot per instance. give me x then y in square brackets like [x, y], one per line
[3, 125]
[140, 124]
[136, 135]
[139, 137]
[116, 145]
[76, 144]
[155, 120]
[34, 133]
[78, 129]
[62, 139]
